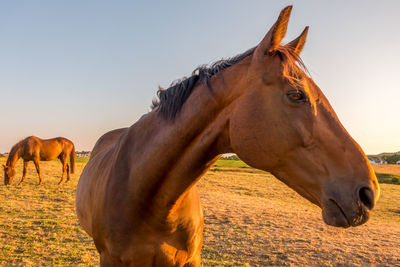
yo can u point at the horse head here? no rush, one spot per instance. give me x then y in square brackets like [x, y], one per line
[9, 174]
[283, 123]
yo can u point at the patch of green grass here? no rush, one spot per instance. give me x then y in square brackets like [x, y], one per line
[82, 160]
[386, 178]
[77, 160]
[229, 163]
[238, 170]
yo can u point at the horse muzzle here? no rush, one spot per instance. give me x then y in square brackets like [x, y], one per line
[346, 211]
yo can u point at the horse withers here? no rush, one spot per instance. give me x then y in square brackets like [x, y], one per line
[35, 149]
[137, 196]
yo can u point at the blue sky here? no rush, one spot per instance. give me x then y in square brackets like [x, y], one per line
[81, 68]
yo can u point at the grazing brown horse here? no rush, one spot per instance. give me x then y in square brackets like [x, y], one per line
[35, 149]
[137, 195]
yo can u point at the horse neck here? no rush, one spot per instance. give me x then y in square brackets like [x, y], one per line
[13, 156]
[173, 155]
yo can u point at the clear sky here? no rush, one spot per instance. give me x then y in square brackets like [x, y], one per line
[81, 68]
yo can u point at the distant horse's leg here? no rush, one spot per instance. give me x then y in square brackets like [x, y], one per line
[36, 161]
[24, 172]
[68, 174]
[64, 167]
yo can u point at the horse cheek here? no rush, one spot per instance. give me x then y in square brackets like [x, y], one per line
[250, 133]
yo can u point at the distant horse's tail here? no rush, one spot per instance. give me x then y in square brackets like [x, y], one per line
[72, 159]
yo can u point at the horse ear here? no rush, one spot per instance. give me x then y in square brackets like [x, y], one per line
[273, 38]
[297, 44]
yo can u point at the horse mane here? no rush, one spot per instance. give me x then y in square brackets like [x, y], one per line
[170, 101]
[14, 150]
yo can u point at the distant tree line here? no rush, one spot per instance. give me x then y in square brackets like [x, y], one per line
[391, 159]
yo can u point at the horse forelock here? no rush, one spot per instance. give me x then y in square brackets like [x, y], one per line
[293, 68]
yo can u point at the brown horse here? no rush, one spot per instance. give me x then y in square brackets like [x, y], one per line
[36, 149]
[137, 196]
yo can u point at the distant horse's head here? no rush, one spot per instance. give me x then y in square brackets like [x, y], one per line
[283, 123]
[9, 174]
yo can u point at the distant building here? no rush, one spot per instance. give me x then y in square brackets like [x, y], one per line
[398, 162]
[231, 156]
[377, 161]
[227, 155]
[82, 154]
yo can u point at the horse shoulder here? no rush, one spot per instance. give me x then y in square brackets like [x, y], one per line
[107, 139]
[92, 183]
[31, 145]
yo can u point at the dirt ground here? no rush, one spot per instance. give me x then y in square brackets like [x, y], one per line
[266, 223]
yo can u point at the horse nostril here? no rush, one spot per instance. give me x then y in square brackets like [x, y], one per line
[367, 197]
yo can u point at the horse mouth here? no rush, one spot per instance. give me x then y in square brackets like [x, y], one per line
[342, 212]
[334, 215]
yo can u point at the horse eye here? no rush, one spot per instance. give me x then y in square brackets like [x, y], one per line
[296, 96]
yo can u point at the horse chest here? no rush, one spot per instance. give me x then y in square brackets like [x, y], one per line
[135, 239]
[149, 249]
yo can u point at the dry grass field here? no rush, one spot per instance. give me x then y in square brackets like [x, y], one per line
[251, 219]
[387, 168]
